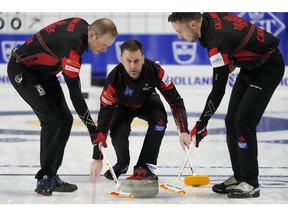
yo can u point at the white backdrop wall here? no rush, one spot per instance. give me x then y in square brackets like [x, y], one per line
[136, 23]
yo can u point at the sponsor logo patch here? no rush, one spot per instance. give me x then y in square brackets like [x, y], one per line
[217, 60]
[105, 101]
[72, 69]
[242, 144]
[128, 92]
[166, 79]
[40, 90]
[160, 128]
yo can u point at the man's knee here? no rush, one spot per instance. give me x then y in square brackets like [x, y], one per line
[57, 120]
[159, 126]
[243, 123]
[229, 122]
[67, 120]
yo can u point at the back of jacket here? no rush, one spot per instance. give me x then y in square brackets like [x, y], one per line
[240, 42]
[49, 49]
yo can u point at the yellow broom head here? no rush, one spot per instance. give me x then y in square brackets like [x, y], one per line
[197, 180]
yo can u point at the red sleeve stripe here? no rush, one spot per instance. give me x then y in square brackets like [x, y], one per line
[70, 68]
[161, 73]
[213, 51]
[177, 115]
[166, 82]
[178, 118]
[74, 56]
[107, 97]
[217, 58]
[225, 58]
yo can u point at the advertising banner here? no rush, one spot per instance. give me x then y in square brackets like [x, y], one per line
[166, 48]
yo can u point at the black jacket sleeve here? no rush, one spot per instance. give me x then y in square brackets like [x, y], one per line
[108, 101]
[173, 98]
[78, 101]
[178, 109]
[105, 115]
[220, 77]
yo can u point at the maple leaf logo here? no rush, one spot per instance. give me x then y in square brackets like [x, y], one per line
[160, 122]
[241, 139]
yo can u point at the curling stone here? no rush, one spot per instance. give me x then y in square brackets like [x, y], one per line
[140, 188]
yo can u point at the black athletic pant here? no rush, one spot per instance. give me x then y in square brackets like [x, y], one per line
[45, 96]
[154, 113]
[250, 96]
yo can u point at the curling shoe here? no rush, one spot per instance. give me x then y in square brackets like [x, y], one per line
[244, 190]
[118, 169]
[44, 186]
[144, 172]
[226, 186]
[61, 186]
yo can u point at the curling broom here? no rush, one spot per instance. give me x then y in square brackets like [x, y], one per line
[118, 193]
[174, 188]
[195, 180]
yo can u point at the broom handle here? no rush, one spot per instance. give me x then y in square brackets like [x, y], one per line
[102, 149]
[189, 159]
[185, 160]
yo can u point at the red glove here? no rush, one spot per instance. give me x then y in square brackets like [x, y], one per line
[98, 137]
[199, 131]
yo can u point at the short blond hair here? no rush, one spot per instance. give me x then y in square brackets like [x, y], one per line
[103, 26]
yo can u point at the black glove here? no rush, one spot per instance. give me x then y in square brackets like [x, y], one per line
[199, 131]
[97, 137]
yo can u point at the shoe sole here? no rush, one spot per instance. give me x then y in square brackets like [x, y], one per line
[251, 194]
[43, 192]
[61, 189]
[231, 188]
[108, 176]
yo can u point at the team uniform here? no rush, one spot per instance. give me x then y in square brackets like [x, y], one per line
[32, 71]
[123, 99]
[233, 41]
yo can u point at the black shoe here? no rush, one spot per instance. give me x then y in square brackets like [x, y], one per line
[44, 186]
[226, 186]
[118, 169]
[61, 186]
[244, 190]
[144, 172]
